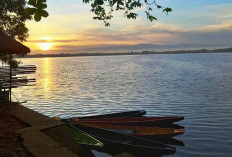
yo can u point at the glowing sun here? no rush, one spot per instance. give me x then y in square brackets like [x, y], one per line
[45, 46]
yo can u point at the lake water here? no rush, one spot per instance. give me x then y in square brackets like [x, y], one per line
[197, 86]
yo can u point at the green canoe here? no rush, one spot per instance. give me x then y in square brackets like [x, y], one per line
[84, 139]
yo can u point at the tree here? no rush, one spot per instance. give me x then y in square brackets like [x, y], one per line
[103, 9]
[12, 21]
[100, 7]
[13, 17]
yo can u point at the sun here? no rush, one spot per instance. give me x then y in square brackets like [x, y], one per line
[45, 46]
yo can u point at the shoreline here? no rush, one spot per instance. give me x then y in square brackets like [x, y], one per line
[27, 128]
[125, 54]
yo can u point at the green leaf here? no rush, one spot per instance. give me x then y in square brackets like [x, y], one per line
[37, 16]
[42, 1]
[43, 6]
[167, 10]
[150, 17]
[30, 11]
[32, 2]
[44, 13]
[100, 2]
[96, 18]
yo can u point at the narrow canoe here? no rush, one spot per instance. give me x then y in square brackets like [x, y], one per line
[140, 121]
[138, 113]
[166, 140]
[140, 131]
[125, 143]
[174, 126]
[84, 139]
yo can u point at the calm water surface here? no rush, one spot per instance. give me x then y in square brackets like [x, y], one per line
[197, 86]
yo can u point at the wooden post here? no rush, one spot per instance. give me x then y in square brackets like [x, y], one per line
[10, 81]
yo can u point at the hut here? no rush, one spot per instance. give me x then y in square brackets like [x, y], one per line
[8, 78]
[11, 46]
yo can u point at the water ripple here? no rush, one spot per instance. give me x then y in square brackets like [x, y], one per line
[197, 86]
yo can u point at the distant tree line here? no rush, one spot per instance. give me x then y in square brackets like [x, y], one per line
[225, 50]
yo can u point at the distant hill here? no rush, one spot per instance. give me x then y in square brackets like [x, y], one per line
[225, 50]
[129, 48]
[72, 49]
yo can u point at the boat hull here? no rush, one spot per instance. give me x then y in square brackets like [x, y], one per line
[85, 140]
[138, 113]
[139, 121]
[140, 131]
[125, 143]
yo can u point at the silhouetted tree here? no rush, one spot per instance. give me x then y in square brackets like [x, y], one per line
[13, 17]
[12, 21]
[103, 9]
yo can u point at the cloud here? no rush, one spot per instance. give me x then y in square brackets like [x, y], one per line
[209, 26]
[161, 34]
[52, 41]
[218, 27]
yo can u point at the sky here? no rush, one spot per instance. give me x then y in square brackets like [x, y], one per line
[70, 27]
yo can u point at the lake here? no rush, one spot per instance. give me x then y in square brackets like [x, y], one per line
[197, 86]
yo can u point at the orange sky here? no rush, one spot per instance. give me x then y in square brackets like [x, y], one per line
[70, 27]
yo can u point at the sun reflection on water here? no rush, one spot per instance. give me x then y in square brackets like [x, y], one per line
[46, 73]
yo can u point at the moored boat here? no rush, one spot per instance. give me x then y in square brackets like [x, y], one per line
[140, 121]
[84, 139]
[166, 140]
[125, 143]
[140, 131]
[137, 113]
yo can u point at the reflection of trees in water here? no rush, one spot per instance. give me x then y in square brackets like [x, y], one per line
[147, 146]
[112, 150]
[115, 151]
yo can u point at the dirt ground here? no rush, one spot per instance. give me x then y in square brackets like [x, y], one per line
[41, 135]
[10, 142]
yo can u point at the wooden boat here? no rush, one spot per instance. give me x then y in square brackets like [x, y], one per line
[161, 135]
[84, 139]
[166, 140]
[141, 131]
[174, 126]
[140, 121]
[138, 113]
[125, 143]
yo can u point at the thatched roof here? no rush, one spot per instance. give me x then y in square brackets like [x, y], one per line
[11, 46]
